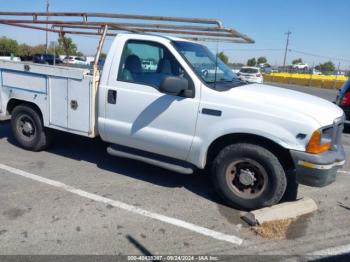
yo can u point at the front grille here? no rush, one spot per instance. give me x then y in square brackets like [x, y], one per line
[338, 127]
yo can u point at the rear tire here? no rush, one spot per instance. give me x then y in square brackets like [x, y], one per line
[248, 176]
[28, 129]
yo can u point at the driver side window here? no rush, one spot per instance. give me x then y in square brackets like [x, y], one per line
[148, 63]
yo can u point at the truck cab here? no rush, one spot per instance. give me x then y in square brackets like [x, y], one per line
[160, 121]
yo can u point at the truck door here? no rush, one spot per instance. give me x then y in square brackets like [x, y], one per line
[138, 115]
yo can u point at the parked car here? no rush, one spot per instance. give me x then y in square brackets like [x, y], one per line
[315, 72]
[250, 74]
[300, 66]
[263, 65]
[269, 70]
[10, 58]
[343, 99]
[182, 117]
[46, 59]
[148, 65]
[76, 60]
[339, 73]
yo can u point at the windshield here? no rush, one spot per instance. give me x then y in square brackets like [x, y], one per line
[204, 62]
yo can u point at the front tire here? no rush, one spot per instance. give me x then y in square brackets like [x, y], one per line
[248, 176]
[28, 129]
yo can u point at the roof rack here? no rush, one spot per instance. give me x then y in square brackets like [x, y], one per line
[197, 29]
[106, 24]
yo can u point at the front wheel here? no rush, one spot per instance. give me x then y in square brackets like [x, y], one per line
[248, 176]
[28, 129]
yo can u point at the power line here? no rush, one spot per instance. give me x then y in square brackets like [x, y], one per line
[319, 56]
[289, 50]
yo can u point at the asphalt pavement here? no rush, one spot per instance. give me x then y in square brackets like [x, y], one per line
[76, 199]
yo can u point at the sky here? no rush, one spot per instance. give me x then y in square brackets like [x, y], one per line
[320, 28]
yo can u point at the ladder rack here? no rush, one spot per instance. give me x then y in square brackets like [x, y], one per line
[197, 29]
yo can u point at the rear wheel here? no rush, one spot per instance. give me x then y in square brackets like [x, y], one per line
[248, 176]
[28, 128]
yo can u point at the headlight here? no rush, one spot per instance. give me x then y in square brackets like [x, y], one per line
[320, 141]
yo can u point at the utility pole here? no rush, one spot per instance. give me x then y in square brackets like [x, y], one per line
[336, 76]
[47, 19]
[287, 44]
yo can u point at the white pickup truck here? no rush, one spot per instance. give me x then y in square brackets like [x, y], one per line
[181, 116]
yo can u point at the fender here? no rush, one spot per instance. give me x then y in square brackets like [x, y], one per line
[39, 100]
[282, 136]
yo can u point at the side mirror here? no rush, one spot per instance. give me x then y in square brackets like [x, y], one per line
[173, 85]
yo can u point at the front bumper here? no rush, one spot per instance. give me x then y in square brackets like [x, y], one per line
[318, 170]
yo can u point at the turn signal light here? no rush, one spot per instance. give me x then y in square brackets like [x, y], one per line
[315, 146]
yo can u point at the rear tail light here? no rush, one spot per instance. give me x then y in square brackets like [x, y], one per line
[258, 75]
[346, 99]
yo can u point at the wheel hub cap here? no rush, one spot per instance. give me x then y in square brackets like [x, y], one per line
[246, 177]
[28, 128]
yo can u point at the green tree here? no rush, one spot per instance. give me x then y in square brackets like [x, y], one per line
[262, 60]
[8, 46]
[326, 67]
[223, 57]
[236, 65]
[38, 49]
[251, 62]
[66, 46]
[103, 56]
[297, 61]
[24, 50]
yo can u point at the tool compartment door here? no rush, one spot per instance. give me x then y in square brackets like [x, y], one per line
[58, 101]
[79, 101]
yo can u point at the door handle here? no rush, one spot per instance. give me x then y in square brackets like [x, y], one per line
[112, 97]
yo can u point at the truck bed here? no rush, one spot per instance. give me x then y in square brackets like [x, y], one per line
[64, 95]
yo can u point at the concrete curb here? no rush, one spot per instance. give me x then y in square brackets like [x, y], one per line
[285, 210]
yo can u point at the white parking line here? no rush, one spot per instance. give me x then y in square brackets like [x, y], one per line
[169, 220]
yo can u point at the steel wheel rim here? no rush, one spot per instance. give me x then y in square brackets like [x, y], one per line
[26, 127]
[246, 178]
